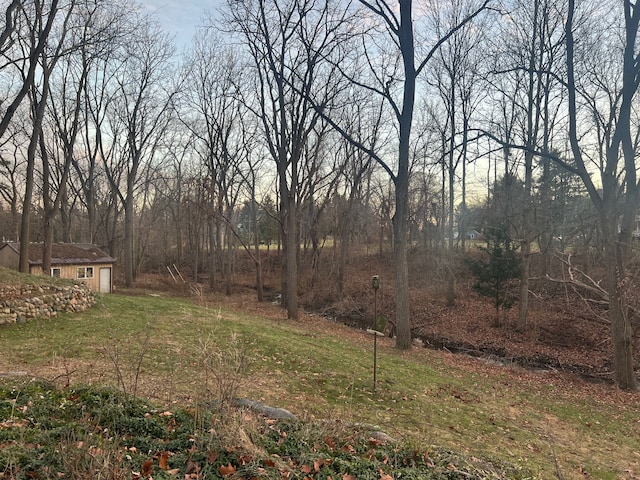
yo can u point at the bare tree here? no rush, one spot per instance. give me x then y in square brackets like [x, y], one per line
[455, 77]
[278, 36]
[603, 131]
[88, 35]
[49, 56]
[11, 169]
[617, 181]
[533, 43]
[139, 113]
[23, 41]
[363, 124]
[215, 116]
[395, 82]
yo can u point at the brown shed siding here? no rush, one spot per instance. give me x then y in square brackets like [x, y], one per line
[71, 272]
[68, 258]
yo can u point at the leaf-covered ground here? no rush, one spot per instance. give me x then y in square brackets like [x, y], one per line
[93, 432]
[565, 333]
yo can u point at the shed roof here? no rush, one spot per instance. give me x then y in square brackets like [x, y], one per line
[64, 253]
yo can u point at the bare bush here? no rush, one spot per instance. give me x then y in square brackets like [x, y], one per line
[225, 368]
[127, 361]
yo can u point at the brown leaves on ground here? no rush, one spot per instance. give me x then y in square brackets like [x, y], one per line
[226, 470]
[164, 460]
[384, 476]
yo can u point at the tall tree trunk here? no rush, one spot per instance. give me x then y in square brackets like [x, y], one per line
[616, 246]
[25, 228]
[228, 256]
[451, 277]
[128, 238]
[49, 210]
[291, 253]
[533, 110]
[400, 218]
[212, 252]
[256, 247]
[621, 328]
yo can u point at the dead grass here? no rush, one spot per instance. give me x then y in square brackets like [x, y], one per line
[322, 370]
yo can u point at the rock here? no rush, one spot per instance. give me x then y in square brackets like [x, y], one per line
[50, 300]
[271, 412]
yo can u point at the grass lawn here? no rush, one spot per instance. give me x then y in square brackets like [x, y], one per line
[180, 352]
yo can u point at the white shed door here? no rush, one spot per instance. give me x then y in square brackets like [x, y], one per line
[105, 280]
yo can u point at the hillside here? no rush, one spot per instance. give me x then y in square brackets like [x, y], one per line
[565, 334]
[184, 352]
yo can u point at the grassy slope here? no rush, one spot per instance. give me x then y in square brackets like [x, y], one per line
[321, 371]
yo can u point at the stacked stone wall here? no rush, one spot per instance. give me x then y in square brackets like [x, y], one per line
[20, 303]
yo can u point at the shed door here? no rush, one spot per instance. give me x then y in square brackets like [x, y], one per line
[105, 280]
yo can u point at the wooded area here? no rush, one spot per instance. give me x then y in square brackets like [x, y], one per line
[293, 125]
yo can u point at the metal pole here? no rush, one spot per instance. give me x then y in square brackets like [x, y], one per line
[375, 336]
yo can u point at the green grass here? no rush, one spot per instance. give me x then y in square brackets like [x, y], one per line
[323, 371]
[12, 277]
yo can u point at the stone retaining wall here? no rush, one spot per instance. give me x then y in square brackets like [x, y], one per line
[19, 303]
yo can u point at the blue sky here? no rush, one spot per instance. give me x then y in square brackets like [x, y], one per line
[181, 17]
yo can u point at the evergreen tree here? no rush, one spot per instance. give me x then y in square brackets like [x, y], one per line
[496, 273]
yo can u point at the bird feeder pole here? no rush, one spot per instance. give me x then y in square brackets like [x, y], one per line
[375, 284]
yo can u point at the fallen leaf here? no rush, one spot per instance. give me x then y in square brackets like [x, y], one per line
[164, 460]
[317, 465]
[348, 449]
[227, 470]
[384, 476]
[306, 469]
[348, 476]
[212, 456]
[192, 467]
[147, 468]
[375, 441]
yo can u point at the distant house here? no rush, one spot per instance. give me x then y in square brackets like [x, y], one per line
[77, 261]
[469, 235]
[473, 234]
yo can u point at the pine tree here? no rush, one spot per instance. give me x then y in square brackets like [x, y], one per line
[495, 274]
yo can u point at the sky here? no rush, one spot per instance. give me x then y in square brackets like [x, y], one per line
[181, 17]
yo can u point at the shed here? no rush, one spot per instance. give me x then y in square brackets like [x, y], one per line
[77, 261]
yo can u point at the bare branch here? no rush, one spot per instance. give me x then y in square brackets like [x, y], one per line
[449, 34]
